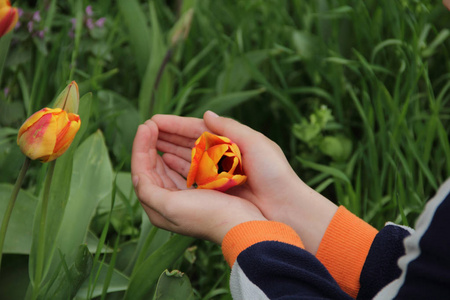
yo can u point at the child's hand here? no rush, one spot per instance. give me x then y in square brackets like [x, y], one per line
[272, 185]
[162, 191]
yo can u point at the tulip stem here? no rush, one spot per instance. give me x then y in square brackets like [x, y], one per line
[41, 236]
[11, 203]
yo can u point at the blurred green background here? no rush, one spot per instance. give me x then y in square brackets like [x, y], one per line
[355, 92]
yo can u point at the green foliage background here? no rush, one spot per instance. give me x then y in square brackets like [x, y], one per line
[355, 92]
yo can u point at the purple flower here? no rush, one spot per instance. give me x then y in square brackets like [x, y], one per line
[20, 12]
[37, 16]
[41, 34]
[6, 91]
[89, 10]
[17, 25]
[100, 22]
[74, 22]
[30, 26]
[90, 23]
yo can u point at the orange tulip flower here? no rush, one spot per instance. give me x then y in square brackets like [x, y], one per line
[8, 17]
[48, 133]
[216, 163]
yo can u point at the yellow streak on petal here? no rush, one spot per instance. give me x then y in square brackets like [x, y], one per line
[235, 149]
[235, 164]
[196, 155]
[239, 179]
[31, 120]
[224, 184]
[39, 138]
[213, 140]
[66, 136]
[207, 170]
[215, 185]
[216, 152]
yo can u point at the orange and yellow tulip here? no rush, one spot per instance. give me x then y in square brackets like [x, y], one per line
[8, 17]
[216, 163]
[48, 133]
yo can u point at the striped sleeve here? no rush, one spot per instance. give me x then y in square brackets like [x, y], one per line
[361, 259]
[268, 262]
[397, 262]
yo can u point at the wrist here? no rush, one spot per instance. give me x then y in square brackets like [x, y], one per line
[227, 225]
[308, 213]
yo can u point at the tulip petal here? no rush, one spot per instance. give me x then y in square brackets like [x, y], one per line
[224, 184]
[239, 179]
[197, 153]
[48, 133]
[234, 163]
[66, 136]
[36, 142]
[216, 152]
[8, 18]
[31, 120]
[207, 170]
[235, 149]
[215, 160]
[213, 140]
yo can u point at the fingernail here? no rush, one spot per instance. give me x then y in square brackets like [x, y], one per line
[135, 180]
[212, 114]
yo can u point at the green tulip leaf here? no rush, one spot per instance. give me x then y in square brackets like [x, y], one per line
[69, 280]
[18, 236]
[173, 285]
[91, 182]
[146, 276]
[118, 282]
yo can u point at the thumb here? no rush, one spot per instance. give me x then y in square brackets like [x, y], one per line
[237, 132]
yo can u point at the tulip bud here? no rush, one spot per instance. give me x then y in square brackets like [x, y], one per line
[8, 17]
[48, 133]
[216, 163]
[69, 99]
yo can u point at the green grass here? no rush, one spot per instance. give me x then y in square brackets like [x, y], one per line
[355, 92]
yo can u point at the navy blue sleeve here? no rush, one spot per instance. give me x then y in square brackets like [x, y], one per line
[380, 267]
[283, 271]
[428, 276]
[425, 267]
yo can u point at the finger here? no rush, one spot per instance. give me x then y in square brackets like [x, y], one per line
[182, 126]
[177, 179]
[167, 181]
[177, 139]
[177, 164]
[182, 152]
[144, 152]
[237, 132]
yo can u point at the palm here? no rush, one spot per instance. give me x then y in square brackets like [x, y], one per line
[265, 165]
[147, 161]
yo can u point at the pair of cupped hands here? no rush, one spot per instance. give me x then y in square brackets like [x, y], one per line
[273, 191]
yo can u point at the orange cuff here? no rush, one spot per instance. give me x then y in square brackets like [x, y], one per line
[344, 248]
[249, 233]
